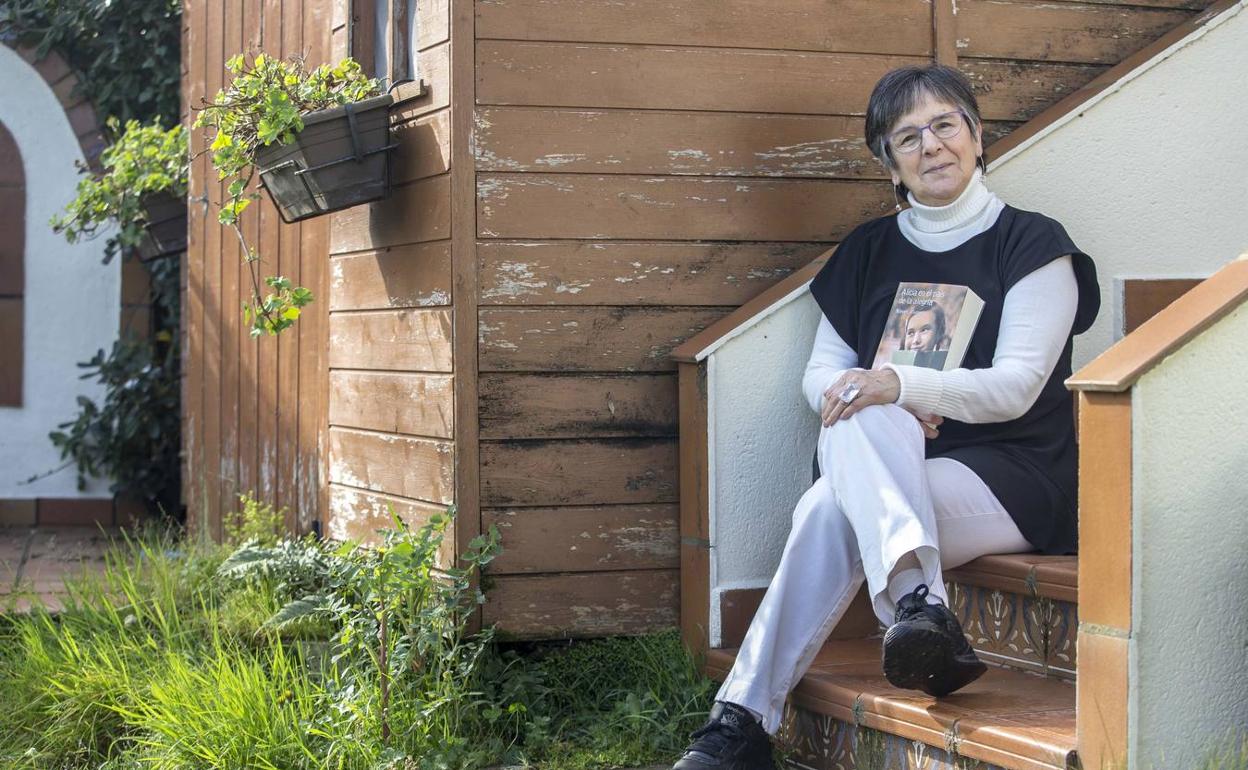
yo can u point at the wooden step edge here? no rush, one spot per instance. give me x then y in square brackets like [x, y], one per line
[1030, 575]
[856, 692]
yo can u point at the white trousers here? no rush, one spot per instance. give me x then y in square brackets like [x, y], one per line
[877, 500]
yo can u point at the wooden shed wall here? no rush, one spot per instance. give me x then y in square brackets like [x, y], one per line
[643, 167]
[254, 409]
[584, 186]
[392, 366]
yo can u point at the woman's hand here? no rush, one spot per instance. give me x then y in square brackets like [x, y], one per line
[874, 386]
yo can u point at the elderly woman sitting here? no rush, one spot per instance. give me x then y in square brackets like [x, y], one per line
[922, 469]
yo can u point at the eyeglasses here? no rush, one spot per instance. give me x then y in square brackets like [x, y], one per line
[909, 139]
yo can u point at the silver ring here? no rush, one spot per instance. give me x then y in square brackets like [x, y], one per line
[850, 393]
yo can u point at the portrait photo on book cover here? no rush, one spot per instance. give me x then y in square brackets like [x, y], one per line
[929, 325]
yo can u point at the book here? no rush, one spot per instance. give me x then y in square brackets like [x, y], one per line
[929, 324]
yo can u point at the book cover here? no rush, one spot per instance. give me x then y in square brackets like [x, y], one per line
[929, 324]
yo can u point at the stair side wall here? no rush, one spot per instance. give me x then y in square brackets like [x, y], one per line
[1188, 641]
[1149, 179]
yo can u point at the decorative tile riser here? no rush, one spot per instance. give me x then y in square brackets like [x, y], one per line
[819, 742]
[1030, 633]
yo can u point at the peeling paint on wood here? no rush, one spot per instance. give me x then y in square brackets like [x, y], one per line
[415, 468]
[410, 340]
[414, 404]
[355, 514]
[413, 275]
[590, 273]
[674, 208]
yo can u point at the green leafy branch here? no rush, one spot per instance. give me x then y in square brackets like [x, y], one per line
[263, 105]
[146, 160]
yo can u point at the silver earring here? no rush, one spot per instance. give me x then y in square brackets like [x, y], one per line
[896, 200]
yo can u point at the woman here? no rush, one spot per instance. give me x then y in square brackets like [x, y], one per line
[922, 470]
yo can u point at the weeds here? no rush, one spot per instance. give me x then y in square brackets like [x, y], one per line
[300, 654]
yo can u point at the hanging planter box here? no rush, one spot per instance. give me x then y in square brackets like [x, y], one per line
[165, 232]
[340, 159]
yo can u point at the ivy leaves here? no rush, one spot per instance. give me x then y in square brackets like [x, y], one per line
[145, 160]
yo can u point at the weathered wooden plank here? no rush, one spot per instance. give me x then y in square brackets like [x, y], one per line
[269, 245]
[695, 544]
[576, 406]
[804, 25]
[211, 465]
[586, 339]
[594, 75]
[413, 275]
[355, 514]
[637, 142]
[673, 208]
[416, 404]
[313, 326]
[633, 273]
[1019, 90]
[585, 539]
[588, 605]
[194, 14]
[434, 68]
[416, 468]
[1059, 32]
[424, 148]
[464, 312]
[433, 23]
[579, 472]
[400, 340]
[945, 32]
[231, 266]
[12, 329]
[248, 349]
[288, 344]
[413, 213]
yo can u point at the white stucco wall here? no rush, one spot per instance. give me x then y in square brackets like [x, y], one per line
[1151, 179]
[72, 301]
[1189, 648]
[758, 475]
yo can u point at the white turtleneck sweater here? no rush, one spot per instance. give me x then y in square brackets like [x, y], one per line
[1036, 319]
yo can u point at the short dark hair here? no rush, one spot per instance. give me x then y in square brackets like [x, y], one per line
[900, 90]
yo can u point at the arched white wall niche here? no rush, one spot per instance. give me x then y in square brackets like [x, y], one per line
[71, 300]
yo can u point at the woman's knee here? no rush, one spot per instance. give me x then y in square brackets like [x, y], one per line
[883, 420]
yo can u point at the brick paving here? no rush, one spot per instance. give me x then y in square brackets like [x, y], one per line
[34, 563]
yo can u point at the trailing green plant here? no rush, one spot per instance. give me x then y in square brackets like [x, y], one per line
[255, 521]
[145, 160]
[262, 106]
[128, 53]
[132, 435]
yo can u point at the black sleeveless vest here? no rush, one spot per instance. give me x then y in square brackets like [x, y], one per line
[1029, 463]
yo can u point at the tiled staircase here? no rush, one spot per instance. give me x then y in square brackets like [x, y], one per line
[1020, 613]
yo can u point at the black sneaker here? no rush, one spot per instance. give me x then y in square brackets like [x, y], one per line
[731, 739]
[926, 650]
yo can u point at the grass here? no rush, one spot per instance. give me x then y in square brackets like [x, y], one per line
[163, 663]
